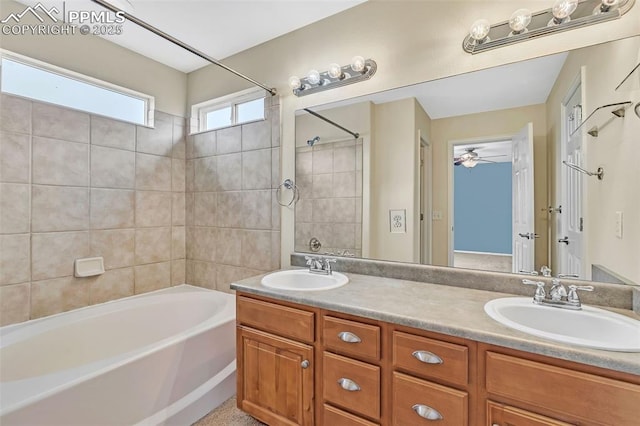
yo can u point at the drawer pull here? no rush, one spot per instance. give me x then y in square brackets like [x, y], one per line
[304, 364]
[349, 337]
[348, 385]
[427, 412]
[427, 357]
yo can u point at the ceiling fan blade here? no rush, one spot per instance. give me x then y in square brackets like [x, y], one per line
[492, 156]
[487, 161]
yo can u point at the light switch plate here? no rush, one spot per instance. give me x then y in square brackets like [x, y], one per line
[619, 224]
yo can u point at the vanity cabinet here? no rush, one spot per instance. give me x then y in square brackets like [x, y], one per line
[299, 365]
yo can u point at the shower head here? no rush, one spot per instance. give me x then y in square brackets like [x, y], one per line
[310, 142]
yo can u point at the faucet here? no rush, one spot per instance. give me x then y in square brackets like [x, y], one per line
[319, 265]
[558, 296]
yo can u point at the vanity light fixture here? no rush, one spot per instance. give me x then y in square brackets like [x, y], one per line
[359, 69]
[524, 25]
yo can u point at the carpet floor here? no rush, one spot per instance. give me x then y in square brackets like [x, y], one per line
[228, 414]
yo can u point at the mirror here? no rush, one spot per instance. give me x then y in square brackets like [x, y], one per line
[467, 171]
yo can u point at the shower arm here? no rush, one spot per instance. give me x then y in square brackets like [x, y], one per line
[177, 42]
[333, 123]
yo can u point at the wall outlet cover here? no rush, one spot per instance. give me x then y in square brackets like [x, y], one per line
[398, 221]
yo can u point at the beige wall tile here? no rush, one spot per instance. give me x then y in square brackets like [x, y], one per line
[178, 242]
[178, 175]
[256, 135]
[304, 162]
[229, 247]
[189, 180]
[229, 140]
[15, 258]
[153, 172]
[14, 303]
[229, 211]
[189, 209]
[322, 186]
[179, 137]
[322, 161]
[256, 208]
[225, 275]
[57, 162]
[70, 204]
[152, 277]
[256, 250]
[178, 272]
[178, 208]
[275, 251]
[275, 124]
[202, 274]
[113, 168]
[113, 133]
[201, 243]
[205, 208]
[229, 172]
[256, 169]
[203, 144]
[15, 114]
[157, 140]
[14, 208]
[305, 210]
[116, 246]
[344, 184]
[153, 208]
[275, 211]
[153, 245]
[59, 295]
[56, 122]
[15, 157]
[113, 284]
[276, 180]
[344, 159]
[112, 208]
[205, 174]
[53, 254]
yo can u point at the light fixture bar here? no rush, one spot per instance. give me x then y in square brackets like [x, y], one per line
[308, 86]
[333, 123]
[587, 12]
[181, 44]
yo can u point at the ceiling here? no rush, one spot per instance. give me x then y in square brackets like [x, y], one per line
[219, 28]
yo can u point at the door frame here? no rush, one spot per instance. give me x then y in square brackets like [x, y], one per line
[426, 199]
[450, 182]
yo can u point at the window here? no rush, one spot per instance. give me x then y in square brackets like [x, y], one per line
[29, 78]
[237, 108]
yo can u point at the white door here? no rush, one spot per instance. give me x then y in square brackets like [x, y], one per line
[522, 201]
[571, 232]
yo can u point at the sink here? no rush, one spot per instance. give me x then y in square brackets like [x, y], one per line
[589, 327]
[303, 280]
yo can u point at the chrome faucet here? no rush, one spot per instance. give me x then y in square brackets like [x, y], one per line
[319, 265]
[558, 296]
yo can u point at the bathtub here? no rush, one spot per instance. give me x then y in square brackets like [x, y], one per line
[166, 357]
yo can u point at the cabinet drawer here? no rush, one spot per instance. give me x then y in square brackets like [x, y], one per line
[431, 358]
[351, 384]
[412, 396]
[351, 338]
[334, 417]
[503, 415]
[281, 320]
[594, 399]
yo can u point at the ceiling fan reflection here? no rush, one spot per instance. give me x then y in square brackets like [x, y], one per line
[470, 158]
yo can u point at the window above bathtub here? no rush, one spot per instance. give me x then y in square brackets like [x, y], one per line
[237, 108]
[30, 78]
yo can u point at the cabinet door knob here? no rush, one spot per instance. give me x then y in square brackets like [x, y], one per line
[304, 364]
[427, 357]
[427, 412]
[349, 337]
[348, 385]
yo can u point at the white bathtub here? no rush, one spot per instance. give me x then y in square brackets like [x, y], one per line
[166, 357]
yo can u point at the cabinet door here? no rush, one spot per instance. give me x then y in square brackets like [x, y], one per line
[503, 415]
[275, 378]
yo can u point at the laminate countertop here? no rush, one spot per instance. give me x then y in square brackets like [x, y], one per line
[440, 308]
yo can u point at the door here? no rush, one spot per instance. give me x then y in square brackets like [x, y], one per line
[523, 201]
[571, 230]
[503, 415]
[425, 202]
[275, 378]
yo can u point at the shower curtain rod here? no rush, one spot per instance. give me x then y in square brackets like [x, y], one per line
[177, 42]
[333, 123]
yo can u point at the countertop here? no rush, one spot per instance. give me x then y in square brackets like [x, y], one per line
[440, 308]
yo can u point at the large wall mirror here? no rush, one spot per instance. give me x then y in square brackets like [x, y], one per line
[484, 170]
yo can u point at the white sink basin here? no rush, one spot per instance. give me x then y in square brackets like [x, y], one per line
[303, 280]
[589, 327]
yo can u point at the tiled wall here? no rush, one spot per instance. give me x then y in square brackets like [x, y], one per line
[75, 185]
[233, 219]
[329, 177]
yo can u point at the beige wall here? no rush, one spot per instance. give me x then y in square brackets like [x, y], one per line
[412, 41]
[101, 59]
[481, 126]
[616, 150]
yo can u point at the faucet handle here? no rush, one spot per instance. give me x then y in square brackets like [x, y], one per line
[573, 297]
[327, 263]
[540, 293]
[568, 276]
[545, 271]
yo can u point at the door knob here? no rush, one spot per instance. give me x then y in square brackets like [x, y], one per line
[564, 240]
[529, 235]
[305, 364]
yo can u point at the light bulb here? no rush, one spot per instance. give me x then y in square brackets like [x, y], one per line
[335, 71]
[480, 30]
[313, 77]
[562, 10]
[605, 6]
[294, 82]
[470, 163]
[357, 63]
[519, 20]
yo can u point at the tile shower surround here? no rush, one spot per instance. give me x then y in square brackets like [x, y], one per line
[74, 185]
